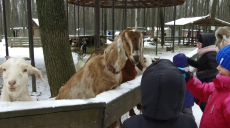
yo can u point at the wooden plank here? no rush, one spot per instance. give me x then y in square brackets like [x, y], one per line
[80, 116]
[118, 107]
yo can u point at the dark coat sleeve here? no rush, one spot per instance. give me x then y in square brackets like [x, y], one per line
[192, 62]
[211, 66]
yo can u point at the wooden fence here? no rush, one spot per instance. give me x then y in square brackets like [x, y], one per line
[23, 42]
[93, 115]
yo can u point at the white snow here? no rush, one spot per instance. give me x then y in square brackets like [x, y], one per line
[108, 96]
[36, 21]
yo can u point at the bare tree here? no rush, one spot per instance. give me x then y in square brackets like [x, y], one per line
[213, 14]
[54, 37]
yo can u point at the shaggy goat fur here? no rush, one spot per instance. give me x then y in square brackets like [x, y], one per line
[95, 77]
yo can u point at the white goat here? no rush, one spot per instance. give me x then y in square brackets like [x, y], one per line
[148, 61]
[15, 79]
[80, 61]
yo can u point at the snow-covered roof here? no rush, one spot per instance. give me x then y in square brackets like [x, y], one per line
[36, 21]
[185, 21]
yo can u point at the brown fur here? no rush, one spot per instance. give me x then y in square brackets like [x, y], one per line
[94, 77]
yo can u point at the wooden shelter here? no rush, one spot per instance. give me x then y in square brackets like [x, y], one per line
[124, 4]
[130, 3]
[194, 24]
[36, 30]
[201, 21]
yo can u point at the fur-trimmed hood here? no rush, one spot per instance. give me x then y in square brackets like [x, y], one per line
[220, 32]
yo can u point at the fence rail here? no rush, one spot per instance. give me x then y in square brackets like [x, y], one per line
[23, 42]
[93, 115]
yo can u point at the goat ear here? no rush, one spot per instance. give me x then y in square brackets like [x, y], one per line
[36, 72]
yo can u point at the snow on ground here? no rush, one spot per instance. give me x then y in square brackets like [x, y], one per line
[44, 89]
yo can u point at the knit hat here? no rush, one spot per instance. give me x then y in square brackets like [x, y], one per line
[220, 32]
[207, 39]
[223, 57]
[180, 60]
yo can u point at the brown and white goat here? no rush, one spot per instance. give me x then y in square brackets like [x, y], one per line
[102, 72]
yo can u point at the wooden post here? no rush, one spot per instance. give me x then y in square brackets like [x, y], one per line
[31, 44]
[192, 40]
[174, 28]
[5, 27]
[97, 25]
[179, 35]
[183, 34]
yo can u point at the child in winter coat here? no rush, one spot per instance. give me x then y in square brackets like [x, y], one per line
[216, 93]
[180, 61]
[206, 65]
[162, 97]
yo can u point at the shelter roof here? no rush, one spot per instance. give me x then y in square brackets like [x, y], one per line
[130, 3]
[35, 21]
[201, 21]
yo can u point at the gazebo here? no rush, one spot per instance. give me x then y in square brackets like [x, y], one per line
[124, 4]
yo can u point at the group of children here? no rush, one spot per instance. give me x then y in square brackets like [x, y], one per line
[209, 87]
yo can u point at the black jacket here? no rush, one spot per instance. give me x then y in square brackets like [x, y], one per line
[206, 67]
[162, 97]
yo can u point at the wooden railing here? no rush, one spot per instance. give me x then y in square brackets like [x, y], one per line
[23, 42]
[92, 115]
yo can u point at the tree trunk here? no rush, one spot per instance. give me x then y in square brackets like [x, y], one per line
[213, 15]
[207, 4]
[56, 49]
[194, 8]
[186, 8]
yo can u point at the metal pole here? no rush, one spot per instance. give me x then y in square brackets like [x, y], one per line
[113, 18]
[5, 27]
[84, 18]
[97, 24]
[102, 19]
[157, 29]
[135, 18]
[125, 15]
[174, 18]
[78, 26]
[31, 45]
[74, 19]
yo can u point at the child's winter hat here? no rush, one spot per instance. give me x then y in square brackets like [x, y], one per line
[206, 39]
[180, 60]
[223, 57]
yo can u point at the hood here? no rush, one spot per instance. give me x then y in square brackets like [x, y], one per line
[162, 91]
[222, 31]
[208, 39]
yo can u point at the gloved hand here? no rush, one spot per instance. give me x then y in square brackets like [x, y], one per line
[187, 75]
